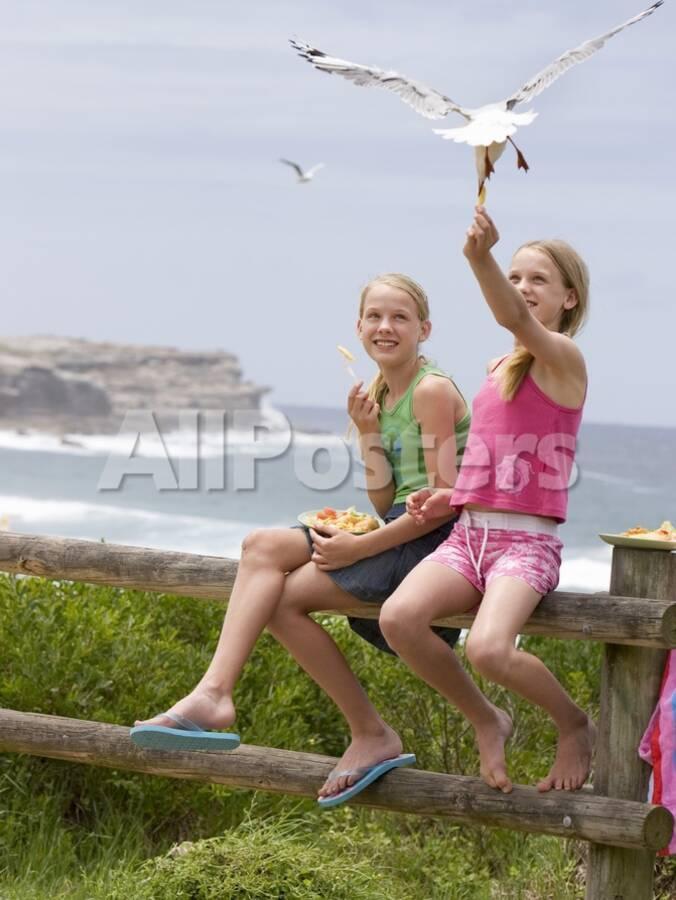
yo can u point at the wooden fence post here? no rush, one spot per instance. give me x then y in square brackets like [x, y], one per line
[629, 690]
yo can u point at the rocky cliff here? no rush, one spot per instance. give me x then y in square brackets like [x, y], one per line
[69, 384]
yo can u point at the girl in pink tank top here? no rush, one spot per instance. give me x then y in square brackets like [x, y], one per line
[504, 554]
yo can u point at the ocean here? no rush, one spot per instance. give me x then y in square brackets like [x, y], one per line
[202, 491]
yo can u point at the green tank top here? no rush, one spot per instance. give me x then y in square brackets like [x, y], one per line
[402, 442]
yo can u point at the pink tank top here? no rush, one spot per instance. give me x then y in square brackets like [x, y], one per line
[519, 454]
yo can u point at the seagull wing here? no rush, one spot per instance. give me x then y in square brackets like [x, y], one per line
[570, 58]
[293, 166]
[424, 100]
[311, 172]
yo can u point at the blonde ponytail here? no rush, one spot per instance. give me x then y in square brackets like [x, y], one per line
[513, 372]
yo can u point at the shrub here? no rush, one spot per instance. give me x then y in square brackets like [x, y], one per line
[114, 656]
[257, 861]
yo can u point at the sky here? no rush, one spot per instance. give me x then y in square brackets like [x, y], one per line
[143, 201]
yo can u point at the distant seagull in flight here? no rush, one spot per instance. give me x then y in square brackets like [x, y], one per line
[488, 127]
[303, 177]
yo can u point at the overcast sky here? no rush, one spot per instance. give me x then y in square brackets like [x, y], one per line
[142, 199]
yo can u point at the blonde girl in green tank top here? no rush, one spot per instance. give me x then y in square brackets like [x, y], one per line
[410, 424]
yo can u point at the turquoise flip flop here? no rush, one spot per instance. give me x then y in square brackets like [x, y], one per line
[367, 775]
[187, 736]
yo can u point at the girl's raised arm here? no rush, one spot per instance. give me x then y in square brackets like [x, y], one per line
[509, 306]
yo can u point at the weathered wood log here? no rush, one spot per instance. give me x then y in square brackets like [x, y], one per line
[579, 815]
[602, 617]
[630, 685]
[117, 565]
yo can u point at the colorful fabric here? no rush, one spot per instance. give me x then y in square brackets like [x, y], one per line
[520, 452]
[403, 442]
[481, 552]
[658, 747]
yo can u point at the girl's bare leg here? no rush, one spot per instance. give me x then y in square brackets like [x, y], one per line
[267, 555]
[507, 604]
[432, 591]
[306, 590]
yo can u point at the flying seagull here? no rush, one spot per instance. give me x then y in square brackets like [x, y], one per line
[488, 127]
[303, 177]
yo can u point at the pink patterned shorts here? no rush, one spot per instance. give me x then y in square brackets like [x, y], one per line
[486, 545]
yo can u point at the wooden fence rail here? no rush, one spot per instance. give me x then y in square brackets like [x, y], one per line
[614, 619]
[636, 621]
[582, 815]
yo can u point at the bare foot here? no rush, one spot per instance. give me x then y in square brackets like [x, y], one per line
[491, 740]
[363, 751]
[208, 709]
[573, 759]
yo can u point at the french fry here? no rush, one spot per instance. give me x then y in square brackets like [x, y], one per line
[346, 353]
[349, 357]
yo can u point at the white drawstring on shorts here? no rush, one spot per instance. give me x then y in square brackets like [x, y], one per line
[477, 563]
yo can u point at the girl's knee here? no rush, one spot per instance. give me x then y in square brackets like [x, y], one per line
[255, 542]
[489, 658]
[399, 622]
[261, 547]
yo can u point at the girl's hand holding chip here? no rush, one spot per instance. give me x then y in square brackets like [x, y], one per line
[362, 410]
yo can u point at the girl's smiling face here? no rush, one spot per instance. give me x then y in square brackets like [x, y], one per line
[541, 285]
[390, 328]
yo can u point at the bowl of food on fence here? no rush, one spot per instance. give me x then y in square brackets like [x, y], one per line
[345, 519]
[662, 538]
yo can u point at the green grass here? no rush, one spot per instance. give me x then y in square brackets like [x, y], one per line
[75, 831]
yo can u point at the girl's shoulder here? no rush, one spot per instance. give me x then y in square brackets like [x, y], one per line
[436, 387]
[432, 381]
[435, 382]
[495, 362]
[427, 375]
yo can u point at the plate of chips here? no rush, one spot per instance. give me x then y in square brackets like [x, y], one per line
[662, 538]
[346, 519]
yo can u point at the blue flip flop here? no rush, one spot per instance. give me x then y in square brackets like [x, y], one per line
[187, 736]
[367, 775]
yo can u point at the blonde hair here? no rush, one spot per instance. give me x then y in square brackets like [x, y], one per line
[378, 388]
[575, 276]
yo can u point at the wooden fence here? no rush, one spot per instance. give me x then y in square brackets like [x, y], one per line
[636, 621]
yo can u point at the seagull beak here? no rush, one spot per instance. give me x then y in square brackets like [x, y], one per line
[482, 194]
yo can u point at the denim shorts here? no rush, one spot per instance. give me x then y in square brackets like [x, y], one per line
[374, 579]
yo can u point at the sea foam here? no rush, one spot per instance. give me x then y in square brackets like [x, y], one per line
[125, 525]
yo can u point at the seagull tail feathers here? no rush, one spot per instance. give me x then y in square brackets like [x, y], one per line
[459, 135]
[524, 118]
